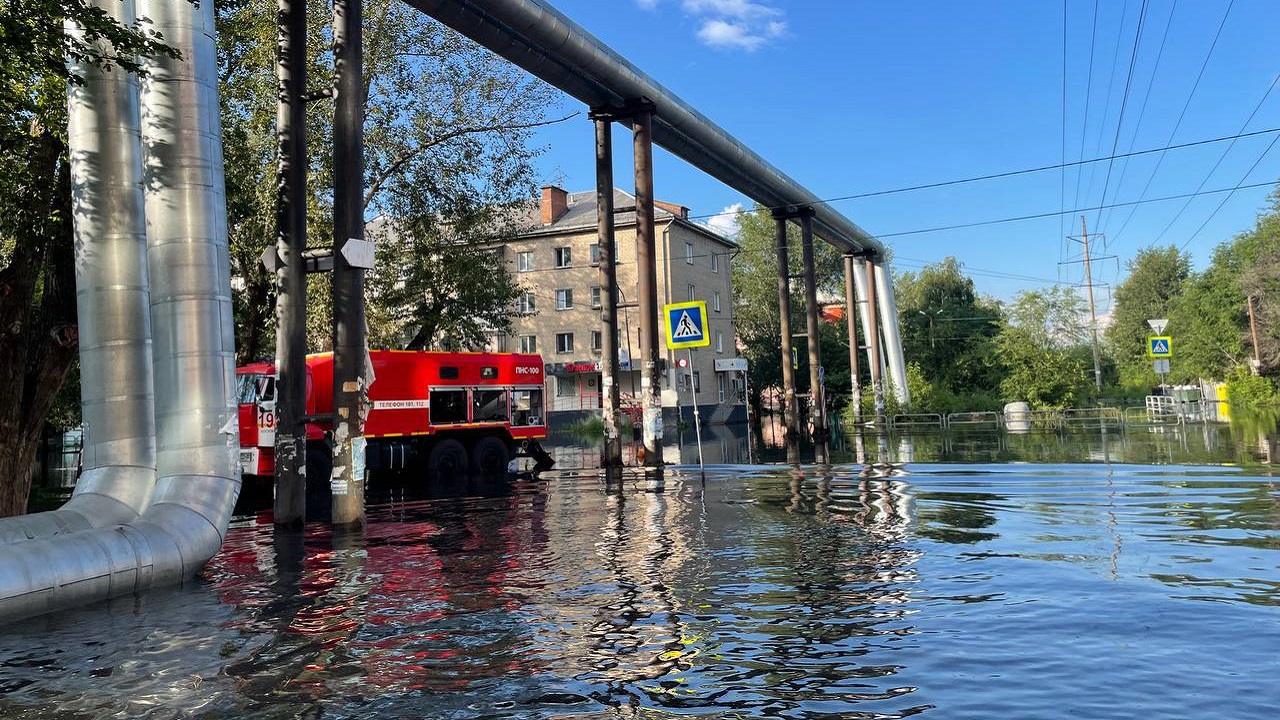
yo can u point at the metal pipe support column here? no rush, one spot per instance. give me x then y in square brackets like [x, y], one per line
[817, 418]
[850, 312]
[350, 346]
[647, 276]
[291, 280]
[609, 365]
[790, 413]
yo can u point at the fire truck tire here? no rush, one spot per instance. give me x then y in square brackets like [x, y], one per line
[448, 457]
[490, 456]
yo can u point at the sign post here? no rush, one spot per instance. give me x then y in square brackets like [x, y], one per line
[687, 329]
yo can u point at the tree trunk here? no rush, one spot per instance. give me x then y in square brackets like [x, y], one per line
[39, 340]
[17, 463]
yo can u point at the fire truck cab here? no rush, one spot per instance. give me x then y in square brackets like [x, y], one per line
[442, 412]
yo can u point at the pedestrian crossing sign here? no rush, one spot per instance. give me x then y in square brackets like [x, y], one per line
[687, 325]
[1160, 346]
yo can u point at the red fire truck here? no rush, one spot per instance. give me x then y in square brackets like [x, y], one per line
[444, 412]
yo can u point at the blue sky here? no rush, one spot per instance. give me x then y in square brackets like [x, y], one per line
[849, 97]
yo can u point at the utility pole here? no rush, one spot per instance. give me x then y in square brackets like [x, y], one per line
[1093, 313]
[1253, 332]
[350, 345]
[291, 280]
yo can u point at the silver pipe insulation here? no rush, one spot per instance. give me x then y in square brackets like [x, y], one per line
[538, 38]
[119, 455]
[189, 300]
[864, 307]
[893, 355]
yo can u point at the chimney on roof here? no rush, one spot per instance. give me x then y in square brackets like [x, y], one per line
[554, 203]
[679, 211]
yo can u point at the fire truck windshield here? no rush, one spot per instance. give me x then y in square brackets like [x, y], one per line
[252, 388]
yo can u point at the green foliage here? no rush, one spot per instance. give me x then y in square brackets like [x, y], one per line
[36, 56]
[1040, 351]
[1156, 277]
[948, 328]
[1250, 391]
[447, 146]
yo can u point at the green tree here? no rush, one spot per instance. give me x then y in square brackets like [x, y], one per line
[447, 146]
[756, 317]
[37, 286]
[1210, 320]
[948, 330]
[1156, 277]
[1044, 350]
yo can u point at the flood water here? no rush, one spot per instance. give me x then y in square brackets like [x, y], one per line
[1106, 589]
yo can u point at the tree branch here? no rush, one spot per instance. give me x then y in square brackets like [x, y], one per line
[376, 186]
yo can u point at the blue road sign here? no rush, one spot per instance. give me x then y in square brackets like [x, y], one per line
[687, 325]
[1160, 346]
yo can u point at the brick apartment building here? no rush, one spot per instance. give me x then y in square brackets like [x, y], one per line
[558, 315]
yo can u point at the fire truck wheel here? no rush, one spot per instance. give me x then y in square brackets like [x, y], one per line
[448, 457]
[490, 456]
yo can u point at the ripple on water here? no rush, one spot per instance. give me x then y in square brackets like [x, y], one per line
[1004, 590]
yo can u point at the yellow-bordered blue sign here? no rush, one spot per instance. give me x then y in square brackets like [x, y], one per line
[1160, 346]
[687, 325]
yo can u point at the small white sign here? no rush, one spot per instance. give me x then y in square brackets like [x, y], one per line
[1162, 367]
[731, 365]
[359, 253]
[270, 259]
[399, 404]
[1158, 325]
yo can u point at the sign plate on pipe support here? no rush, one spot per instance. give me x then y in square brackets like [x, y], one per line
[359, 253]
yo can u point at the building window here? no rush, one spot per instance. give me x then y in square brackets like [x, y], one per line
[564, 299]
[721, 381]
[715, 301]
[593, 250]
[529, 344]
[682, 381]
[719, 342]
[526, 304]
[566, 387]
[595, 296]
[692, 293]
[715, 262]
[688, 253]
[597, 339]
[564, 257]
[524, 261]
[564, 343]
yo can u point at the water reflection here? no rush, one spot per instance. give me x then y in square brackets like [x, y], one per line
[1250, 443]
[795, 592]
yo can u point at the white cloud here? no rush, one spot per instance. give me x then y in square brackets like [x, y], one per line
[725, 222]
[732, 24]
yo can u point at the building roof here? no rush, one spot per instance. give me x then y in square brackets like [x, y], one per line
[581, 215]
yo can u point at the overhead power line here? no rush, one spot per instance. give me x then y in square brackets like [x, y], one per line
[1238, 186]
[1124, 101]
[1194, 86]
[1056, 213]
[1222, 157]
[1015, 173]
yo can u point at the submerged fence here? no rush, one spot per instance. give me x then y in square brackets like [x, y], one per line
[1159, 411]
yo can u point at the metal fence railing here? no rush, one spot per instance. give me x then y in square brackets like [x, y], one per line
[974, 421]
[917, 421]
[1092, 418]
